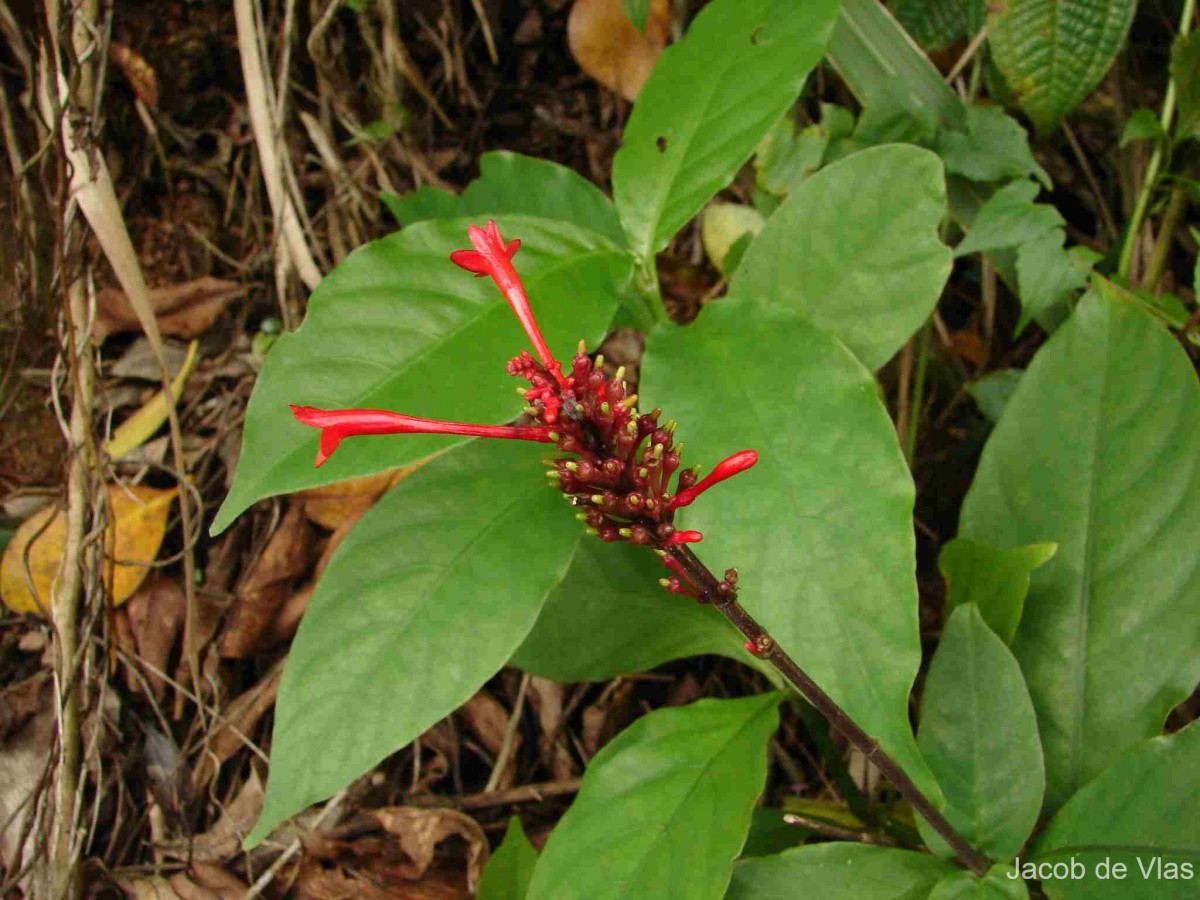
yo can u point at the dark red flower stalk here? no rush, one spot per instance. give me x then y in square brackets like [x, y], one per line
[338, 424]
[618, 464]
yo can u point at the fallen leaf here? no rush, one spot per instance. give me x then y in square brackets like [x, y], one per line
[487, 719]
[137, 71]
[156, 615]
[140, 426]
[137, 522]
[237, 724]
[203, 881]
[607, 716]
[223, 841]
[267, 586]
[332, 505]
[24, 757]
[969, 346]
[546, 698]
[610, 49]
[421, 830]
[183, 310]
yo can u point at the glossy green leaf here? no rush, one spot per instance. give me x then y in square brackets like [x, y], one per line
[873, 54]
[1053, 52]
[838, 871]
[398, 326]
[1098, 451]
[855, 248]
[1143, 807]
[992, 392]
[425, 600]
[1185, 73]
[664, 808]
[1010, 218]
[510, 869]
[979, 735]
[821, 529]
[1048, 275]
[993, 148]
[516, 184]
[707, 104]
[995, 579]
[610, 617]
[1001, 883]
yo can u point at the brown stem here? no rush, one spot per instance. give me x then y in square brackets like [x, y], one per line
[727, 604]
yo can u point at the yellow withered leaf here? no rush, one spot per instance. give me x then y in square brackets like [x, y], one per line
[139, 427]
[137, 522]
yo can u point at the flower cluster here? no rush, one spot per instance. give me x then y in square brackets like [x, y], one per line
[617, 464]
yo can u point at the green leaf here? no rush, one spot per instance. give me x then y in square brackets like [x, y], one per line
[994, 579]
[770, 833]
[424, 601]
[1010, 218]
[707, 104]
[422, 204]
[1098, 451]
[665, 807]
[1053, 52]
[609, 617]
[873, 54]
[1185, 73]
[838, 871]
[784, 160]
[1048, 276]
[992, 392]
[1000, 883]
[821, 528]
[979, 734]
[510, 869]
[514, 184]
[890, 117]
[855, 248]
[934, 24]
[398, 326]
[1142, 125]
[1143, 807]
[993, 148]
[638, 12]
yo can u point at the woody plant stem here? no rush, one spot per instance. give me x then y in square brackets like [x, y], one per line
[726, 603]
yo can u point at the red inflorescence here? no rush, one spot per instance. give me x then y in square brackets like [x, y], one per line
[618, 463]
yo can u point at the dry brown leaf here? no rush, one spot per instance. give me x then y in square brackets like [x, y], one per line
[485, 718]
[148, 887]
[156, 614]
[610, 49]
[137, 522]
[267, 586]
[421, 830]
[607, 716]
[204, 881]
[183, 310]
[137, 71]
[969, 346]
[23, 763]
[546, 697]
[224, 840]
[237, 726]
[332, 505]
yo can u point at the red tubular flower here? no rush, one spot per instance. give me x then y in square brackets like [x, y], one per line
[493, 257]
[618, 464]
[338, 424]
[726, 468]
